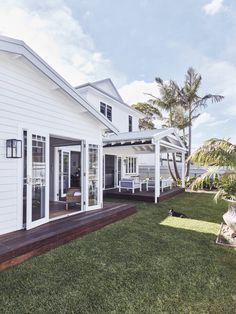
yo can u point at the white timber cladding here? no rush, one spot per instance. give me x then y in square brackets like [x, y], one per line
[120, 112]
[29, 99]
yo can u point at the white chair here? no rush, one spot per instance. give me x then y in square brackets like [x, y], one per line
[129, 184]
[164, 183]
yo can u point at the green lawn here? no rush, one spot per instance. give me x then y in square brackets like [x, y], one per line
[147, 263]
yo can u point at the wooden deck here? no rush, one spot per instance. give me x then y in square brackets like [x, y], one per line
[145, 196]
[16, 247]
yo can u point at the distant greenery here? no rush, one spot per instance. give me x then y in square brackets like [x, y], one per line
[181, 105]
[147, 263]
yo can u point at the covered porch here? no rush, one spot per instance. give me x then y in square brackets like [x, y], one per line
[138, 144]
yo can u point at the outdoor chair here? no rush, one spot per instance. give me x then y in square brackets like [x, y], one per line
[164, 183]
[129, 184]
[73, 196]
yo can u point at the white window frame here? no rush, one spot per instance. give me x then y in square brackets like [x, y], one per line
[106, 109]
[131, 165]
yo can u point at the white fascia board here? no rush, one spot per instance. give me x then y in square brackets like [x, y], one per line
[133, 111]
[169, 132]
[179, 139]
[19, 47]
[174, 147]
[162, 134]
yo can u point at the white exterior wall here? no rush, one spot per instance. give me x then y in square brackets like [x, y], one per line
[120, 112]
[29, 99]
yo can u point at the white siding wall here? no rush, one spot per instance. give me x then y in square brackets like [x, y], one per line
[29, 99]
[120, 112]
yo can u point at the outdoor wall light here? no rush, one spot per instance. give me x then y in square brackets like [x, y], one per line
[14, 148]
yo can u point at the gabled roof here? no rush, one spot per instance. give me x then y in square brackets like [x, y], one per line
[108, 86]
[96, 86]
[19, 47]
[167, 137]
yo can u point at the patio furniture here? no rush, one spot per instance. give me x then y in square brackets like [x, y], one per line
[129, 184]
[72, 196]
[164, 183]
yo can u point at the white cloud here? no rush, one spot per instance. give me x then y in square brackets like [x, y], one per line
[136, 91]
[51, 30]
[204, 118]
[213, 7]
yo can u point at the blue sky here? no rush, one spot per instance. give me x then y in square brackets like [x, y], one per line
[134, 41]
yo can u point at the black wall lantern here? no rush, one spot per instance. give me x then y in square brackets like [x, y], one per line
[14, 148]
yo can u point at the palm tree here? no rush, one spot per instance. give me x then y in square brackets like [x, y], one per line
[191, 102]
[215, 154]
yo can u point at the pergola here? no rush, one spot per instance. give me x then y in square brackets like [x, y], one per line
[155, 141]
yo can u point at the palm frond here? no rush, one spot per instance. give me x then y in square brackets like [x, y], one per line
[215, 152]
[199, 181]
[202, 102]
[159, 81]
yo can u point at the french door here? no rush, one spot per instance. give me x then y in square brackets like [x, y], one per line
[64, 172]
[37, 179]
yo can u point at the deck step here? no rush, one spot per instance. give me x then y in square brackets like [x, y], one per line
[19, 246]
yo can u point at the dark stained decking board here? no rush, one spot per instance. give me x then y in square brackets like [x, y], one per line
[18, 246]
[145, 196]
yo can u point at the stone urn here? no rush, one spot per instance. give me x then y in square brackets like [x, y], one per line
[230, 216]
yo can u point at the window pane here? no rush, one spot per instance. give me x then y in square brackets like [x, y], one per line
[109, 112]
[130, 124]
[103, 108]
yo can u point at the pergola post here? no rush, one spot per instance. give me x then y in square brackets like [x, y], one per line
[157, 170]
[183, 170]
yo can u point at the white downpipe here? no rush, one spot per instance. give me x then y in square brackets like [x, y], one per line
[157, 171]
[183, 170]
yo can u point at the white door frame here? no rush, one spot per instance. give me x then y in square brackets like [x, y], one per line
[69, 149]
[100, 173]
[29, 223]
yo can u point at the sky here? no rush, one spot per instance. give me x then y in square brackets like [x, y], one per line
[134, 41]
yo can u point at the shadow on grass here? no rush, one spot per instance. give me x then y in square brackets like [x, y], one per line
[195, 205]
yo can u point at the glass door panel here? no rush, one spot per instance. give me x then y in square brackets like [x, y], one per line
[119, 164]
[64, 172]
[93, 177]
[38, 176]
[37, 179]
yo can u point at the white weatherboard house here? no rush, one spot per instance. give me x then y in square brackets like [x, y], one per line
[57, 129]
[54, 136]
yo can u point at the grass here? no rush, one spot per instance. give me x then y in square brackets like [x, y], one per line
[147, 263]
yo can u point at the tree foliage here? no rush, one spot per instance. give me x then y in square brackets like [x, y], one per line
[215, 154]
[151, 113]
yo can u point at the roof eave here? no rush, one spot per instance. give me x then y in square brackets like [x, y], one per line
[20, 47]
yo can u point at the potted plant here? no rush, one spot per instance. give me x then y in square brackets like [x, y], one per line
[220, 158]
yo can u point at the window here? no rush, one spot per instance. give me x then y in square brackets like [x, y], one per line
[103, 108]
[130, 124]
[109, 112]
[131, 165]
[106, 110]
